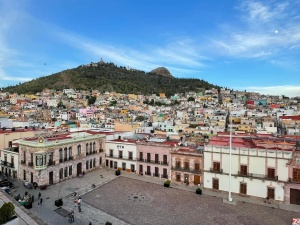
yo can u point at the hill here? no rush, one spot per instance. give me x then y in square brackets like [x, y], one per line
[109, 77]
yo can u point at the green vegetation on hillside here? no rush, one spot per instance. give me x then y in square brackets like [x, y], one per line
[109, 77]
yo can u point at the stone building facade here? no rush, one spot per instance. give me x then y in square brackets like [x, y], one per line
[51, 160]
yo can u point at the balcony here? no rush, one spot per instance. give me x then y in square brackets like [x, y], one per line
[51, 163]
[152, 161]
[4, 163]
[215, 170]
[23, 162]
[291, 180]
[11, 165]
[30, 164]
[140, 159]
[148, 173]
[164, 163]
[121, 157]
[101, 150]
[259, 176]
[71, 157]
[188, 170]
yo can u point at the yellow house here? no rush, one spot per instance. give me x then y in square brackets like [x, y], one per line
[126, 127]
[123, 111]
[31, 96]
[132, 96]
[245, 127]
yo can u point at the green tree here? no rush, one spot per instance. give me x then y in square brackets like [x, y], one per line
[191, 99]
[6, 212]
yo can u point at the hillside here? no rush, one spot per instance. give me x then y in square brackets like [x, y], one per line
[109, 77]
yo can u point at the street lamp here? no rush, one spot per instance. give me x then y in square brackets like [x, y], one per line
[230, 150]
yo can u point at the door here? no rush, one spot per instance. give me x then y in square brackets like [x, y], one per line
[107, 163]
[31, 177]
[24, 174]
[178, 177]
[295, 196]
[271, 193]
[186, 178]
[132, 167]
[156, 172]
[148, 170]
[215, 184]
[165, 173]
[111, 164]
[196, 179]
[116, 165]
[79, 168]
[50, 177]
[141, 169]
[243, 188]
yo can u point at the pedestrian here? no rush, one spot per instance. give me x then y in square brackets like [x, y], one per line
[90, 223]
[39, 195]
[72, 216]
[32, 198]
[79, 204]
[26, 193]
[41, 201]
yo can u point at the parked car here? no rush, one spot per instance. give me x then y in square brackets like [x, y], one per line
[7, 190]
[27, 185]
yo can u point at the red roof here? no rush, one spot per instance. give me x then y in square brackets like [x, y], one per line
[290, 117]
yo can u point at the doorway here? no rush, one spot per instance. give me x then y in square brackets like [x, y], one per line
[31, 177]
[50, 177]
[215, 184]
[79, 168]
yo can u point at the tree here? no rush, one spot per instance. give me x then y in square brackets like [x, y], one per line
[191, 99]
[6, 212]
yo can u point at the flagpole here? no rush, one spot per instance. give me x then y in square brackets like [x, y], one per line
[230, 150]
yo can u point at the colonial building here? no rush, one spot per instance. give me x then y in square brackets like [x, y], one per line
[154, 157]
[187, 163]
[121, 154]
[261, 166]
[50, 160]
[9, 160]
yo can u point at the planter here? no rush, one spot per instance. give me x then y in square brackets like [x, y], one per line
[118, 172]
[198, 191]
[167, 183]
[59, 202]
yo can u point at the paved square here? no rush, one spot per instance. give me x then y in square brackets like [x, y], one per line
[142, 203]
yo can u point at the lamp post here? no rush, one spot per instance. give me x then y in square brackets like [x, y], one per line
[230, 150]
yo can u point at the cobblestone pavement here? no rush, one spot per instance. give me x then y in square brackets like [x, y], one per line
[141, 203]
[133, 199]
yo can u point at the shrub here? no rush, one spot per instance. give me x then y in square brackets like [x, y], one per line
[118, 172]
[6, 212]
[199, 191]
[167, 183]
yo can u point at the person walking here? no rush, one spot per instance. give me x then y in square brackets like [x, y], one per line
[39, 195]
[41, 201]
[32, 198]
[79, 204]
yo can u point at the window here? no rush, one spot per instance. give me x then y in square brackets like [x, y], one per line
[70, 151]
[148, 157]
[121, 154]
[91, 163]
[296, 175]
[243, 170]
[243, 188]
[65, 153]
[100, 161]
[79, 150]
[94, 163]
[165, 159]
[111, 152]
[39, 160]
[156, 158]
[178, 164]
[94, 146]
[87, 148]
[141, 156]
[216, 166]
[70, 170]
[60, 153]
[61, 173]
[197, 167]
[66, 171]
[91, 147]
[130, 155]
[271, 173]
[186, 165]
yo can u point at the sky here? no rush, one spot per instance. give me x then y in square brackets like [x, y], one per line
[242, 45]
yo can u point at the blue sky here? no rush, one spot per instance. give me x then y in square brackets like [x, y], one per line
[244, 45]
